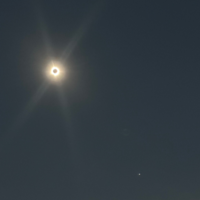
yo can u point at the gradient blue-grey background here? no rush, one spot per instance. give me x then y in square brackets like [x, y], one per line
[132, 100]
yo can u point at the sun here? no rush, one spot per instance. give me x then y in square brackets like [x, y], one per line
[55, 71]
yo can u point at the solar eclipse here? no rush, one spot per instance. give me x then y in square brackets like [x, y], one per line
[55, 71]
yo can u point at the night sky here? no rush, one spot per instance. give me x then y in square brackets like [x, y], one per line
[123, 124]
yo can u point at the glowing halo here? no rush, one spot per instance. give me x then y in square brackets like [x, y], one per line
[55, 71]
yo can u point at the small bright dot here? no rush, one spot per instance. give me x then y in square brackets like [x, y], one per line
[55, 71]
[139, 174]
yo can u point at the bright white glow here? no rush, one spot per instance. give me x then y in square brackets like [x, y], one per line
[55, 71]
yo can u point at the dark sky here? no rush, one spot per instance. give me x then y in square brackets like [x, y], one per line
[129, 104]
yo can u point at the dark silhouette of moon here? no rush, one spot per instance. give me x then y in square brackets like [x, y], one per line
[55, 71]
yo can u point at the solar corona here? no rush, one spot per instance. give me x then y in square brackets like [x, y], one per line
[55, 71]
